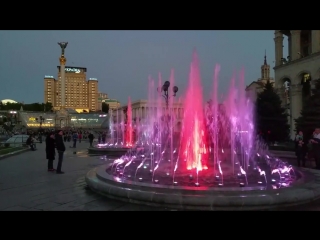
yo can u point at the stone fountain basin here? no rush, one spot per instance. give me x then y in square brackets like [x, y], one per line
[304, 190]
[110, 151]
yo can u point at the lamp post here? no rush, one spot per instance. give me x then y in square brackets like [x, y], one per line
[165, 91]
[40, 120]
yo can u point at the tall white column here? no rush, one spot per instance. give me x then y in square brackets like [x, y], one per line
[315, 39]
[63, 61]
[63, 84]
[295, 44]
[278, 41]
[296, 106]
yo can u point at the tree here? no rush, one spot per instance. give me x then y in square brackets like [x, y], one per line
[310, 113]
[271, 117]
[105, 107]
[37, 107]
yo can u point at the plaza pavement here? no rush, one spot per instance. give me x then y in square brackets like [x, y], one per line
[25, 185]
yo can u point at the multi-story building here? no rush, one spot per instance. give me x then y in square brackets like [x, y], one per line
[81, 94]
[294, 74]
[113, 103]
[256, 87]
[101, 96]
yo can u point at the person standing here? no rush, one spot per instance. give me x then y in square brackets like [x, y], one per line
[90, 137]
[50, 151]
[316, 147]
[60, 148]
[301, 149]
[75, 138]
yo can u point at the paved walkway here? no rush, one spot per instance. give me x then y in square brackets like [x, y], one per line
[26, 185]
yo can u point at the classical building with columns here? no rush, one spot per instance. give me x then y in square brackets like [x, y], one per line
[294, 74]
[142, 108]
[256, 87]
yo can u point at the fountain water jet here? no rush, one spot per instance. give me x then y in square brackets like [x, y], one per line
[221, 136]
[129, 140]
[193, 141]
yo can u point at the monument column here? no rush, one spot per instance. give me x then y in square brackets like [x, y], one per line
[63, 61]
[295, 106]
[295, 44]
[278, 41]
[315, 39]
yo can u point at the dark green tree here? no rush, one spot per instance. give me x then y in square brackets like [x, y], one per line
[310, 113]
[105, 107]
[271, 117]
[36, 107]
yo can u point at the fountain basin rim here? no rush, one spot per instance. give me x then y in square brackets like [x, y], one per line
[104, 176]
[111, 148]
[171, 197]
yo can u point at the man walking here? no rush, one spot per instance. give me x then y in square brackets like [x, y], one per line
[90, 137]
[60, 148]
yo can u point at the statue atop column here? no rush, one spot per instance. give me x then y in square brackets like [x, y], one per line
[63, 46]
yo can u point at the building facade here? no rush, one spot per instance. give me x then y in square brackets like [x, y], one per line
[101, 96]
[80, 94]
[256, 87]
[113, 103]
[294, 74]
[31, 120]
[142, 110]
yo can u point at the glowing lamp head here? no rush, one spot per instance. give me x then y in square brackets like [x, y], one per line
[140, 179]
[156, 181]
[197, 184]
[242, 184]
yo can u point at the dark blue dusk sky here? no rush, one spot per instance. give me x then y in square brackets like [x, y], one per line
[123, 60]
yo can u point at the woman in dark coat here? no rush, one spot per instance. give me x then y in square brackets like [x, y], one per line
[50, 151]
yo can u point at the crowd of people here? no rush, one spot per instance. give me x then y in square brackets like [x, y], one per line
[55, 141]
[308, 148]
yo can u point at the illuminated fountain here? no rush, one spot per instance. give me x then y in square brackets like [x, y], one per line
[121, 135]
[216, 153]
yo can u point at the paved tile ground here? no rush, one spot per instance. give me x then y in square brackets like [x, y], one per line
[25, 185]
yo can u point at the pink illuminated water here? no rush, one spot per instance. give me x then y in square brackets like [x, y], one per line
[129, 128]
[216, 135]
[194, 146]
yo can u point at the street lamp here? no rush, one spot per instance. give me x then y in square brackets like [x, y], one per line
[165, 90]
[40, 120]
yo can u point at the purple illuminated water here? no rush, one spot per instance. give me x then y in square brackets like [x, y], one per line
[217, 145]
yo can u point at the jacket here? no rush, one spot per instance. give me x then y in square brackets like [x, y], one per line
[59, 143]
[50, 148]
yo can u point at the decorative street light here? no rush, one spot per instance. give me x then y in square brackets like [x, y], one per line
[40, 120]
[165, 90]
